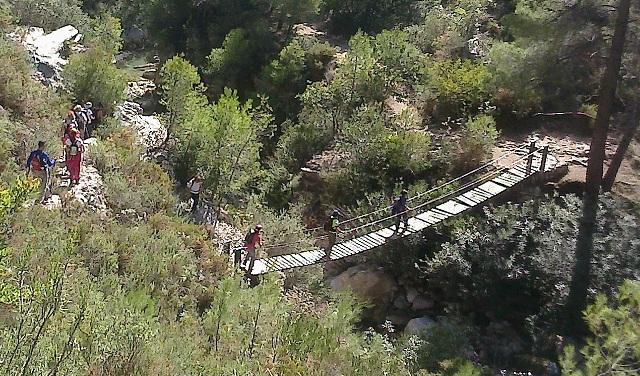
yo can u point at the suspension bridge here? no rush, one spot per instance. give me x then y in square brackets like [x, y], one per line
[429, 208]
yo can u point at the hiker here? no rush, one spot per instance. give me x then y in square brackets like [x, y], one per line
[237, 256]
[80, 118]
[331, 226]
[68, 123]
[40, 163]
[74, 148]
[90, 117]
[400, 211]
[195, 187]
[252, 240]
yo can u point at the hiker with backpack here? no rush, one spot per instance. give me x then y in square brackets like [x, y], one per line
[80, 118]
[74, 148]
[195, 187]
[89, 116]
[331, 226]
[400, 211]
[252, 240]
[40, 164]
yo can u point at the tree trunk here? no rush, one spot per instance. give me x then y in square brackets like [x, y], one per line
[608, 88]
[577, 300]
[627, 137]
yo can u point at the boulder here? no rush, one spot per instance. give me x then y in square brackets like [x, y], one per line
[418, 325]
[369, 283]
[412, 294]
[421, 303]
[134, 36]
[150, 131]
[90, 190]
[138, 89]
[45, 50]
[150, 74]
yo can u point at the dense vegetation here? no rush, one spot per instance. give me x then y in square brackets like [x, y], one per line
[391, 94]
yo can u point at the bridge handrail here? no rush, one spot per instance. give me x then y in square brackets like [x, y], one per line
[449, 194]
[437, 188]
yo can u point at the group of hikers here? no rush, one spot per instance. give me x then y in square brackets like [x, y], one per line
[78, 125]
[399, 210]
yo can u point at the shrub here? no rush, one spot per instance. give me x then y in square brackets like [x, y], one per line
[615, 324]
[513, 83]
[105, 33]
[442, 347]
[299, 143]
[452, 88]
[522, 256]
[19, 92]
[92, 76]
[50, 14]
[475, 145]
[367, 15]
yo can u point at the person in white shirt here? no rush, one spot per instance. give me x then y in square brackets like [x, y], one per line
[195, 187]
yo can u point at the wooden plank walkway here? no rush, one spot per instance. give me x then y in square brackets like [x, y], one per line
[467, 200]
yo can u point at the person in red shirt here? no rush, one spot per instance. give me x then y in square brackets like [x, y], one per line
[251, 242]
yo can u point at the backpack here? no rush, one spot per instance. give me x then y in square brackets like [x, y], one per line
[81, 119]
[37, 164]
[395, 208]
[249, 236]
[86, 113]
[328, 225]
[74, 148]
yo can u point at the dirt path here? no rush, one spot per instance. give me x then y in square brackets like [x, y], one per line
[573, 150]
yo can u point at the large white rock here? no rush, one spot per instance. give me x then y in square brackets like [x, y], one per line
[151, 133]
[369, 283]
[45, 50]
[418, 325]
[90, 190]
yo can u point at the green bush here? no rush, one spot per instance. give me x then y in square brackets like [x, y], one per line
[512, 82]
[475, 145]
[368, 15]
[19, 92]
[442, 348]
[131, 183]
[241, 55]
[301, 61]
[92, 76]
[615, 326]
[453, 88]
[299, 143]
[50, 14]
[516, 264]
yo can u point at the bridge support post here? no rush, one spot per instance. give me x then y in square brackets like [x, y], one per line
[543, 161]
[532, 149]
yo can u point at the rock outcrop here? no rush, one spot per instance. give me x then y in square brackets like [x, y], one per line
[418, 325]
[151, 132]
[45, 50]
[90, 190]
[371, 284]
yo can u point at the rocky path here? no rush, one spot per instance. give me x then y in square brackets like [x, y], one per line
[573, 150]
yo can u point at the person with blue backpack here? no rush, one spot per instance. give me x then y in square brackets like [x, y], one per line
[40, 164]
